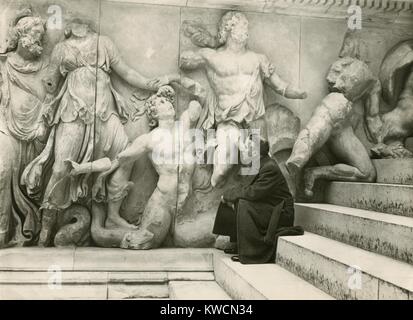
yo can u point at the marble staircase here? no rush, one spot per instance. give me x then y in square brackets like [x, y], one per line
[359, 244]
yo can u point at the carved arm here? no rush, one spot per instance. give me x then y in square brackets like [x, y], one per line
[132, 77]
[191, 60]
[283, 88]
[139, 147]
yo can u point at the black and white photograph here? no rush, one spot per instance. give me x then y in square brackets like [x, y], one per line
[209, 150]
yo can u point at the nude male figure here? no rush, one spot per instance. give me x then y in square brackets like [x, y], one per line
[172, 159]
[236, 75]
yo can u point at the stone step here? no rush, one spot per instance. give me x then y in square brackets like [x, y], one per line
[83, 291]
[92, 285]
[103, 259]
[387, 198]
[343, 271]
[196, 290]
[87, 278]
[264, 281]
[386, 234]
[395, 171]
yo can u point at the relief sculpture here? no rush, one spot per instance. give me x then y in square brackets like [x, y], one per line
[396, 75]
[23, 131]
[237, 76]
[67, 158]
[349, 80]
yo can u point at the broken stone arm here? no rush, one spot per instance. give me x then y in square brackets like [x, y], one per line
[133, 77]
[191, 60]
[100, 165]
[283, 88]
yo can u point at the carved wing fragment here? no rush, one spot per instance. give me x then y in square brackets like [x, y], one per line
[394, 69]
[199, 35]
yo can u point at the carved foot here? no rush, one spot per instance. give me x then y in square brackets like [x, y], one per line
[309, 180]
[138, 240]
[115, 222]
[383, 151]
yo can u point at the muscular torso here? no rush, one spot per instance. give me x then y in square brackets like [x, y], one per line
[229, 73]
[168, 156]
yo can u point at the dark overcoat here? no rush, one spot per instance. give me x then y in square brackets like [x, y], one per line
[263, 209]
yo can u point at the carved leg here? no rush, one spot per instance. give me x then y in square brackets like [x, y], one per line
[357, 165]
[339, 172]
[310, 140]
[226, 153]
[156, 220]
[68, 146]
[184, 184]
[118, 186]
[49, 218]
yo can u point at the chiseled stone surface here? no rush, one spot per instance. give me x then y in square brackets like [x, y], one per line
[103, 259]
[389, 292]
[392, 171]
[102, 285]
[382, 233]
[386, 198]
[44, 292]
[133, 291]
[191, 276]
[36, 258]
[196, 290]
[328, 264]
[145, 260]
[265, 281]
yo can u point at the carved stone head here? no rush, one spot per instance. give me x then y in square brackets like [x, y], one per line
[235, 25]
[27, 33]
[160, 106]
[351, 77]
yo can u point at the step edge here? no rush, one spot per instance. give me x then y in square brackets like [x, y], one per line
[294, 277]
[370, 214]
[379, 184]
[364, 270]
[221, 290]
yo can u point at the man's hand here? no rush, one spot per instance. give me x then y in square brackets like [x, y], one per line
[230, 195]
[229, 204]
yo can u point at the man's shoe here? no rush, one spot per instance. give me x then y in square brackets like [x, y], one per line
[235, 258]
[231, 251]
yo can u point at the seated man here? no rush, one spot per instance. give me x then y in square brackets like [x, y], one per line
[256, 214]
